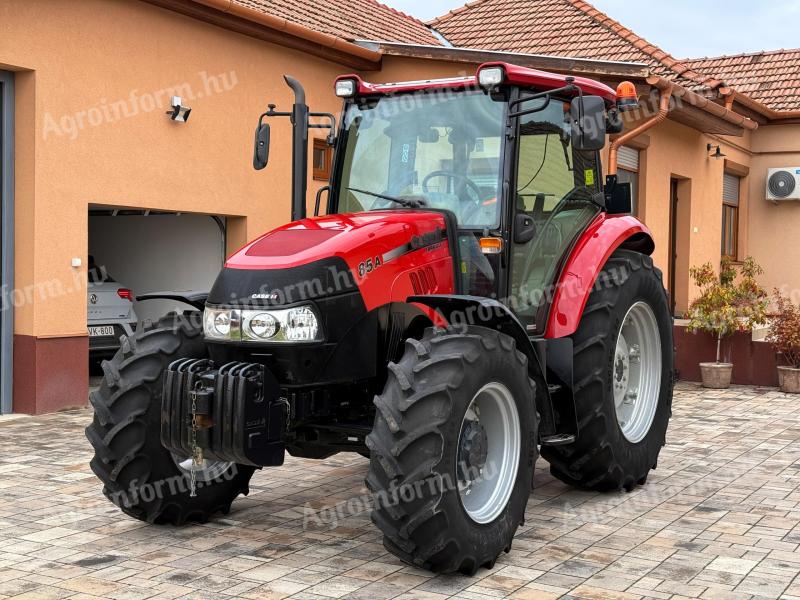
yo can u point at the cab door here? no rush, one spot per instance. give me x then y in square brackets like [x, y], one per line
[554, 186]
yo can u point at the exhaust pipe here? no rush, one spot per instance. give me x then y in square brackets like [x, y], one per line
[299, 119]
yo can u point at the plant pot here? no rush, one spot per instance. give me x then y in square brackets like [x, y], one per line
[789, 380]
[716, 376]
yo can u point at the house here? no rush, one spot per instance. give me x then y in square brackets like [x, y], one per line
[92, 165]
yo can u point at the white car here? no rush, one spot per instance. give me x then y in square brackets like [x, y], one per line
[110, 313]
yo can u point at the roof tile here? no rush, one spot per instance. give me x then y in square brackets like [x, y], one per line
[349, 19]
[559, 27]
[772, 78]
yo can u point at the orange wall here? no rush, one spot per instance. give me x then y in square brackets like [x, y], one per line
[774, 235]
[85, 64]
[679, 152]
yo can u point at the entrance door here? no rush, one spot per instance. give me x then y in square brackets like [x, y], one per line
[6, 238]
[673, 241]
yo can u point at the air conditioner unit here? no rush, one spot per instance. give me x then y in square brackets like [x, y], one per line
[783, 184]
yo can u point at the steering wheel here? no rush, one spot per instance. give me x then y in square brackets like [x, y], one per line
[450, 175]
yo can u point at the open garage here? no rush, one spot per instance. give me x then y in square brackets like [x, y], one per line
[134, 252]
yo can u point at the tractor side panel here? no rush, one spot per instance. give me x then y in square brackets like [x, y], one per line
[604, 235]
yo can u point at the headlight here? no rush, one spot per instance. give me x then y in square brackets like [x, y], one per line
[221, 324]
[301, 324]
[298, 324]
[262, 326]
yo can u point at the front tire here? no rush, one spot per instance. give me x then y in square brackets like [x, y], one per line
[453, 449]
[622, 374]
[139, 475]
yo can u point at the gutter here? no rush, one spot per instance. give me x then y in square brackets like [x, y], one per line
[731, 96]
[701, 102]
[663, 111]
[227, 13]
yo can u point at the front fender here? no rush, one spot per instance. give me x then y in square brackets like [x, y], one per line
[604, 235]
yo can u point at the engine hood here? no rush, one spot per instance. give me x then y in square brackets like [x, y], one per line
[367, 254]
[352, 237]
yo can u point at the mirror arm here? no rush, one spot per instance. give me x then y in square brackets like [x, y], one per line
[570, 87]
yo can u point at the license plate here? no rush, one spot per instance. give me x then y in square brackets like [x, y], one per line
[102, 331]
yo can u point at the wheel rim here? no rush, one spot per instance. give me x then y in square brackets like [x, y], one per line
[208, 470]
[636, 374]
[488, 452]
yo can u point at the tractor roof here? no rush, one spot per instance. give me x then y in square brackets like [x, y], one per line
[514, 74]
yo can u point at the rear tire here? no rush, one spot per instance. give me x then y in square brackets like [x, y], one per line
[418, 442]
[611, 453]
[139, 475]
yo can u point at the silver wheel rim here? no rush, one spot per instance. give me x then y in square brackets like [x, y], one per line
[488, 487]
[207, 471]
[636, 374]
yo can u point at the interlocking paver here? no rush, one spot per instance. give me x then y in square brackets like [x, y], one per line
[719, 518]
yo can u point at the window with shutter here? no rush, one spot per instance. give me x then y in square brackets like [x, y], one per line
[731, 187]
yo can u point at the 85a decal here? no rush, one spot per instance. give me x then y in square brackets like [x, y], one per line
[368, 266]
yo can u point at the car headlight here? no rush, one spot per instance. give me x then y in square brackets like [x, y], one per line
[298, 324]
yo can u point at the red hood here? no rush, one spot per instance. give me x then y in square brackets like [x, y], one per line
[367, 234]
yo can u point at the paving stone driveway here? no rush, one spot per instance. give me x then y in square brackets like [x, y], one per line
[720, 518]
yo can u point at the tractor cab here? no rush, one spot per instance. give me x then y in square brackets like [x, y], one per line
[511, 153]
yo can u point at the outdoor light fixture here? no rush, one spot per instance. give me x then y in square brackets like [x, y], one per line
[346, 88]
[179, 112]
[717, 153]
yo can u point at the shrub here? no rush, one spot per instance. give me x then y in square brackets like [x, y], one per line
[725, 306]
[785, 330]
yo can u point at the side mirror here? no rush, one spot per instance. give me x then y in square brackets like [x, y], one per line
[524, 228]
[261, 147]
[588, 118]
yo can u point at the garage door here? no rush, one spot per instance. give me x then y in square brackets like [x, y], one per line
[153, 251]
[6, 237]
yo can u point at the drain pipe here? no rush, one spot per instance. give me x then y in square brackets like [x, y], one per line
[663, 110]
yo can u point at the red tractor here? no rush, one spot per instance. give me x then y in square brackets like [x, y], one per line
[473, 294]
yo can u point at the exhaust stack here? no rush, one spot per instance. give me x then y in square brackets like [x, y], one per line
[299, 118]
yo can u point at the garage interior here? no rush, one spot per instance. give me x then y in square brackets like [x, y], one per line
[149, 251]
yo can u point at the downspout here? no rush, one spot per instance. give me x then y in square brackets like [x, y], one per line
[663, 110]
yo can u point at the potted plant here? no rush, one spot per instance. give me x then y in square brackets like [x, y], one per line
[784, 334]
[724, 307]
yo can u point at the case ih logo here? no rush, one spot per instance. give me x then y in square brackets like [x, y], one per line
[268, 296]
[427, 239]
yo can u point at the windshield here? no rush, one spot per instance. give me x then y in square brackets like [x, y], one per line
[440, 150]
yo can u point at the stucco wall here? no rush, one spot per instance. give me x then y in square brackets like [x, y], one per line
[675, 151]
[91, 129]
[774, 235]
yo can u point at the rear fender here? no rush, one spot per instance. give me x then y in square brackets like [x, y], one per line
[604, 235]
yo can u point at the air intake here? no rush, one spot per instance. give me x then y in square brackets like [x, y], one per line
[423, 281]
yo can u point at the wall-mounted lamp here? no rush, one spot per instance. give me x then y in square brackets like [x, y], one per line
[717, 153]
[179, 113]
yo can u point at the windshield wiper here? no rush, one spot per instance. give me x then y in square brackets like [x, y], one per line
[408, 203]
